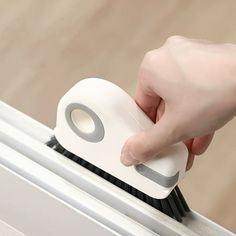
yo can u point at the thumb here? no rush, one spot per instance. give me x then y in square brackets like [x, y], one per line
[146, 145]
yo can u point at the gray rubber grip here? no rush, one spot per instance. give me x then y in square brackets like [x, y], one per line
[165, 181]
[97, 135]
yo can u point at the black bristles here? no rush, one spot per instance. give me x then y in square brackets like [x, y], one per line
[178, 203]
[166, 207]
[182, 200]
[174, 205]
[177, 214]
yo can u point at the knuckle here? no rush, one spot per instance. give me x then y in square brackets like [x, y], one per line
[175, 39]
[150, 57]
[151, 60]
[148, 66]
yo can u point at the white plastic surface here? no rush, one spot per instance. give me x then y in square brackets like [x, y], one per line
[8, 230]
[121, 118]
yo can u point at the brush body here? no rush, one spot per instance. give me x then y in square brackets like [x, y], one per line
[95, 118]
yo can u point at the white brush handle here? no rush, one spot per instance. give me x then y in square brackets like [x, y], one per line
[95, 118]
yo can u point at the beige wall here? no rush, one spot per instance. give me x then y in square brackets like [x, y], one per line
[47, 46]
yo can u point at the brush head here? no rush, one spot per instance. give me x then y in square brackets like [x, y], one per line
[174, 205]
[96, 117]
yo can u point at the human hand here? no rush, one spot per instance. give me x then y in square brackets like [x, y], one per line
[188, 88]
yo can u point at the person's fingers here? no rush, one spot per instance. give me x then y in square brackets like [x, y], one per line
[200, 144]
[146, 145]
[188, 143]
[197, 146]
[129, 161]
[190, 161]
[191, 156]
[160, 110]
[146, 99]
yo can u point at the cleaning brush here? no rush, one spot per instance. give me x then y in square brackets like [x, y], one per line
[94, 119]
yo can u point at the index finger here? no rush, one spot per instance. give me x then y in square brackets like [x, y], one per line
[146, 98]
